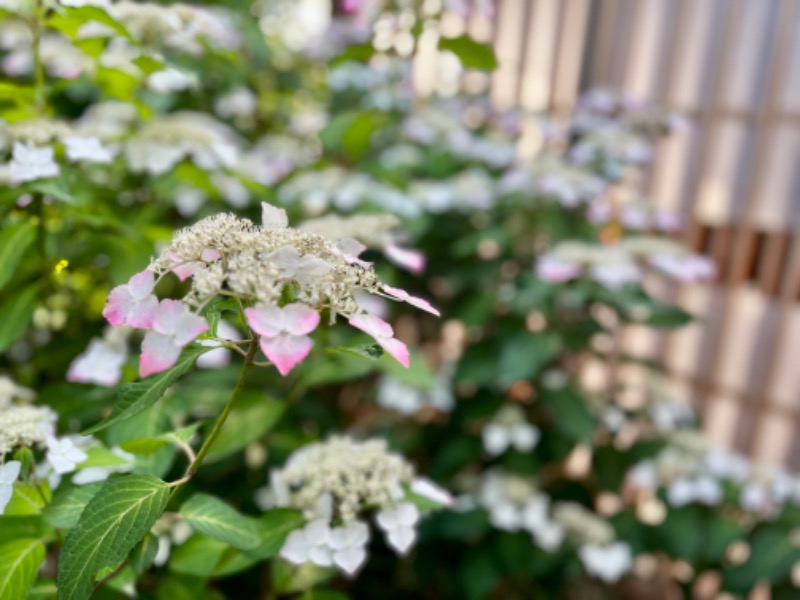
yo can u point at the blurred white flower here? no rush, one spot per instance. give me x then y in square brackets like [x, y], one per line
[29, 163]
[608, 563]
[398, 522]
[87, 149]
[348, 546]
[63, 455]
[309, 544]
[8, 475]
[101, 363]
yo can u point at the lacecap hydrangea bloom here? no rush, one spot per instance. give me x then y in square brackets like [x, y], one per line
[260, 267]
[335, 484]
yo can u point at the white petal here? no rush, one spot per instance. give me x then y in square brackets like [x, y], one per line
[350, 560]
[495, 439]
[402, 538]
[317, 532]
[295, 548]
[321, 555]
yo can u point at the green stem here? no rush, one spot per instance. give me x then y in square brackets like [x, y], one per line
[38, 66]
[195, 465]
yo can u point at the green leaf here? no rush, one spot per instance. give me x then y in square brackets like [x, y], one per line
[25, 500]
[199, 555]
[524, 355]
[772, 557]
[103, 457]
[273, 528]
[68, 504]
[472, 54]
[143, 446]
[147, 64]
[56, 189]
[17, 313]
[13, 527]
[141, 557]
[251, 417]
[213, 517]
[112, 523]
[14, 243]
[135, 397]
[19, 562]
[569, 413]
[369, 351]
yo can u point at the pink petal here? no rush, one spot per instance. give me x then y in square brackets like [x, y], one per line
[377, 328]
[266, 320]
[286, 351]
[412, 300]
[120, 301]
[273, 217]
[184, 269]
[412, 260]
[299, 319]
[396, 348]
[210, 255]
[142, 313]
[188, 327]
[167, 316]
[141, 285]
[159, 353]
[351, 247]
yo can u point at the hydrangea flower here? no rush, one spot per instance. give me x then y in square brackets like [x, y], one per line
[133, 303]
[398, 522]
[63, 455]
[608, 563]
[284, 332]
[174, 326]
[101, 363]
[509, 429]
[259, 266]
[87, 149]
[383, 334]
[337, 481]
[29, 163]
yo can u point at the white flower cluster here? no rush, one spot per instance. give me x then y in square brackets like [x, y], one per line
[274, 157]
[615, 265]
[613, 146]
[694, 472]
[164, 141]
[25, 425]
[334, 187]
[552, 177]
[509, 429]
[407, 400]
[601, 106]
[175, 26]
[515, 504]
[227, 253]
[444, 126]
[383, 85]
[334, 483]
[102, 361]
[635, 214]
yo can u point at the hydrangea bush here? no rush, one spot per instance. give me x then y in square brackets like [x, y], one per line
[276, 327]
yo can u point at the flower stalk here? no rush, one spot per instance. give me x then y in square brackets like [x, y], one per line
[194, 466]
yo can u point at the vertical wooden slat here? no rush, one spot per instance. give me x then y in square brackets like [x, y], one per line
[775, 60]
[721, 41]
[606, 37]
[786, 303]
